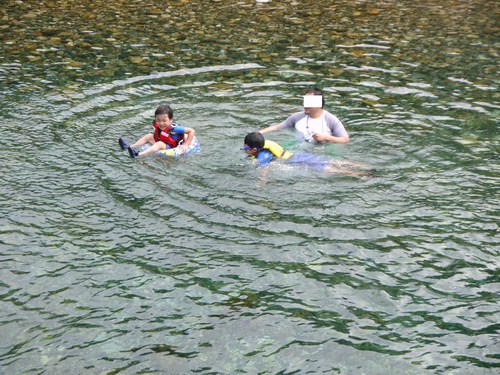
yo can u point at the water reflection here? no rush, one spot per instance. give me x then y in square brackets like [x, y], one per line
[64, 42]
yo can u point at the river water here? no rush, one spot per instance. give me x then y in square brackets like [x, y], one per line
[204, 264]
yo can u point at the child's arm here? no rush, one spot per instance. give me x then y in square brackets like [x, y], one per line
[190, 135]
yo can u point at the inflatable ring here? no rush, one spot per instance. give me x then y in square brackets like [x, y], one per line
[176, 151]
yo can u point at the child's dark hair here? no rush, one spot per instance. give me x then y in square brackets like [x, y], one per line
[255, 140]
[165, 109]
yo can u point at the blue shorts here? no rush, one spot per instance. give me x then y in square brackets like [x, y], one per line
[309, 160]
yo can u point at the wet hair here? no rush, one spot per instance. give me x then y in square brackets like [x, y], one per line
[316, 91]
[165, 109]
[255, 140]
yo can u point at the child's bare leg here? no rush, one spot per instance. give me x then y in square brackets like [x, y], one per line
[347, 163]
[157, 146]
[346, 172]
[148, 138]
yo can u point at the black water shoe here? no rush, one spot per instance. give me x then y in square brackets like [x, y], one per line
[132, 152]
[122, 143]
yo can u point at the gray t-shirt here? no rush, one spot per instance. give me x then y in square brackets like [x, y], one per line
[306, 126]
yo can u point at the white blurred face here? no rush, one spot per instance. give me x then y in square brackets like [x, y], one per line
[313, 101]
[313, 104]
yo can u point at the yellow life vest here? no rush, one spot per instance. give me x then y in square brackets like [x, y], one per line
[277, 150]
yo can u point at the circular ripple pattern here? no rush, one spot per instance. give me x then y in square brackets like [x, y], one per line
[207, 264]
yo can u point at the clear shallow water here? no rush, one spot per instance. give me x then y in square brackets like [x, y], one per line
[114, 265]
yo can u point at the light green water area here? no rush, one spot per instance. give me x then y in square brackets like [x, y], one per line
[206, 264]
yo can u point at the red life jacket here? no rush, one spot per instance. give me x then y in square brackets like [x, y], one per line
[171, 136]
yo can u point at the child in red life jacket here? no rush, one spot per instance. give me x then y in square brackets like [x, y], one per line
[167, 134]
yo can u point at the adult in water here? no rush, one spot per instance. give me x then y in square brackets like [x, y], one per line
[314, 123]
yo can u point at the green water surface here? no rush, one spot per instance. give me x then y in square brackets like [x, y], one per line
[112, 265]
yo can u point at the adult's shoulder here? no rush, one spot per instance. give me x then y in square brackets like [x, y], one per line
[297, 116]
[331, 116]
[335, 125]
[292, 119]
[332, 120]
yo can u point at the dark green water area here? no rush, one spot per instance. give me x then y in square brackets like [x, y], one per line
[206, 264]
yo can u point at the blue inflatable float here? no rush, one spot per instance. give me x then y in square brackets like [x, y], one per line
[176, 151]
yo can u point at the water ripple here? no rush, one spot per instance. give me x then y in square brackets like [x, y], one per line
[206, 264]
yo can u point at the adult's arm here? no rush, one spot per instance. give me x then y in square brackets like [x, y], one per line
[288, 123]
[271, 128]
[337, 130]
[330, 138]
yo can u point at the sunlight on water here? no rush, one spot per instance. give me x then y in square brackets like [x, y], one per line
[203, 263]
